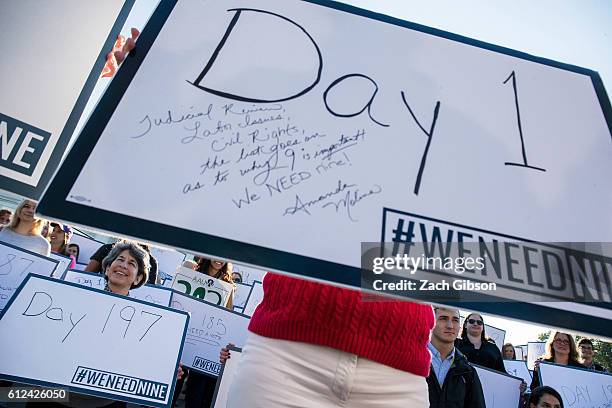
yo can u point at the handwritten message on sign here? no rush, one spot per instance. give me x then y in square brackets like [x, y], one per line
[74, 317]
[210, 328]
[579, 388]
[16, 264]
[293, 136]
[202, 286]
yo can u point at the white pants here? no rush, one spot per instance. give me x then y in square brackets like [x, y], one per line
[277, 373]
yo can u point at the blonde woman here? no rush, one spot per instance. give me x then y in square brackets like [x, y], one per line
[24, 230]
[560, 349]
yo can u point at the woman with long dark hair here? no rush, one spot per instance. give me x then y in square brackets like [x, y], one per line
[476, 346]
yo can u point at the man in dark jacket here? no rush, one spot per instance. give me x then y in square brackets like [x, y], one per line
[452, 382]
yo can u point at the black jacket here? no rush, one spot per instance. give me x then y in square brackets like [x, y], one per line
[488, 355]
[461, 388]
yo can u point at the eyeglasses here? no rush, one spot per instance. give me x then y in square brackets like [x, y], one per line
[562, 341]
[475, 321]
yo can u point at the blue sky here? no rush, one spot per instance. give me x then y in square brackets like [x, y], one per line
[570, 31]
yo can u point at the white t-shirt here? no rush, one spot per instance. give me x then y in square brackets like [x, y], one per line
[34, 243]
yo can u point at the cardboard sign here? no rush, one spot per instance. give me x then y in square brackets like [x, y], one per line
[500, 390]
[535, 350]
[16, 264]
[62, 266]
[255, 298]
[578, 387]
[147, 293]
[73, 318]
[211, 327]
[312, 143]
[202, 286]
[518, 368]
[249, 274]
[224, 381]
[38, 113]
[241, 295]
[87, 247]
[518, 350]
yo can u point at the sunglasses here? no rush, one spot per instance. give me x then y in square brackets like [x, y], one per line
[475, 321]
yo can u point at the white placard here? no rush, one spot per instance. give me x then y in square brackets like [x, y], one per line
[535, 350]
[518, 368]
[16, 264]
[202, 286]
[168, 260]
[87, 247]
[152, 293]
[500, 390]
[211, 327]
[497, 335]
[518, 351]
[43, 93]
[524, 348]
[241, 295]
[228, 371]
[89, 279]
[255, 298]
[147, 293]
[62, 266]
[72, 319]
[579, 388]
[249, 274]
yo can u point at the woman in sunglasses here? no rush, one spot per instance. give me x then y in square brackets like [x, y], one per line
[477, 347]
[560, 349]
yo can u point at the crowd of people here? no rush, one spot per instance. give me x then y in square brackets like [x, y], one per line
[313, 344]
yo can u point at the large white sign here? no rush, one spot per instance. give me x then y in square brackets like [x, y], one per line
[210, 328]
[44, 93]
[72, 318]
[167, 260]
[16, 264]
[255, 298]
[535, 350]
[500, 390]
[579, 388]
[148, 293]
[518, 350]
[87, 247]
[202, 286]
[241, 295]
[249, 274]
[518, 368]
[300, 139]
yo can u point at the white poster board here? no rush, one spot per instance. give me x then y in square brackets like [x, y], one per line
[73, 318]
[500, 390]
[62, 266]
[312, 143]
[15, 265]
[535, 350]
[255, 298]
[249, 274]
[89, 279]
[167, 259]
[202, 286]
[211, 328]
[518, 350]
[87, 247]
[525, 349]
[579, 388]
[147, 293]
[226, 377]
[518, 368]
[241, 295]
[44, 93]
